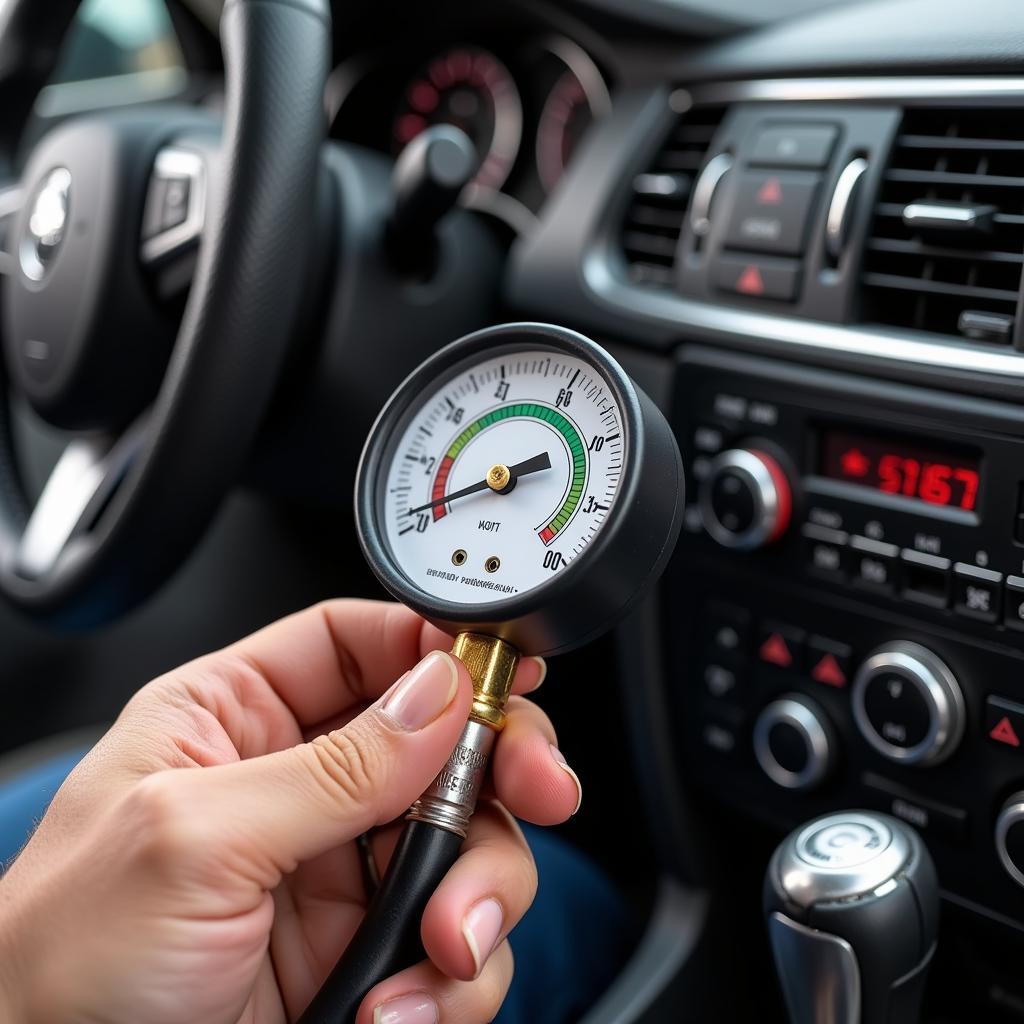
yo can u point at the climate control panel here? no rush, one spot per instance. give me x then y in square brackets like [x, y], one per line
[851, 580]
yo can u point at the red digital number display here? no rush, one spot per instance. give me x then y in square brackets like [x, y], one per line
[894, 467]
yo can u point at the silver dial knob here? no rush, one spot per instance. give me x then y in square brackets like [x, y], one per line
[792, 742]
[1010, 837]
[908, 705]
[745, 499]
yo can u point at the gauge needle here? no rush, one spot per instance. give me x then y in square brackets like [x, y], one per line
[525, 468]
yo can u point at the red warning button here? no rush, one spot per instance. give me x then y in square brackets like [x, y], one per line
[828, 661]
[827, 671]
[779, 645]
[750, 282]
[1004, 722]
[759, 278]
[1002, 732]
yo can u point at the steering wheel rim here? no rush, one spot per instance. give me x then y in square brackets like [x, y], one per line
[171, 471]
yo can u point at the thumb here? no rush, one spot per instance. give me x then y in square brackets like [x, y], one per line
[275, 811]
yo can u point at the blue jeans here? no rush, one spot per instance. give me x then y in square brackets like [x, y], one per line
[571, 943]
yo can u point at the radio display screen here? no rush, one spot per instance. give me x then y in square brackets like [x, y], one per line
[892, 466]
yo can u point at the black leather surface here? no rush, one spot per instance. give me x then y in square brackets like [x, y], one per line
[236, 326]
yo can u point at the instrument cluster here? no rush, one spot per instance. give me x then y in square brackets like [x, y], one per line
[526, 103]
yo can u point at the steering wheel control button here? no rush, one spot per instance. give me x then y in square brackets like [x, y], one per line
[908, 705]
[777, 279]
[745, 499]
[1010, 837]
[792, 743]
[873, 565]
[780, 645]
[925, 578]
[771, 211]
[824, 552]
[794, 145]
[977, 592]
[1004, 722]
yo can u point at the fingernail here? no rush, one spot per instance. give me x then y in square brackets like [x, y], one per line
[424, 693]
[413, 1008]
[559, 759]
[543, 669]
[481, 928]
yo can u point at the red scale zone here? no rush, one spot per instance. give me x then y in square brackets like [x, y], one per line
[440, 483]
[547, 535]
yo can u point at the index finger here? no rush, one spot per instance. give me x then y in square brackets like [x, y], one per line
[323, 661]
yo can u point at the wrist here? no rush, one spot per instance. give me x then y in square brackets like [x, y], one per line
[15, 1000]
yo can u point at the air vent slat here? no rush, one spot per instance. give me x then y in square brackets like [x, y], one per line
[649, 234]
[949, 178]
[944, 252]
[917, 284]
[946, 279]
[946, 142]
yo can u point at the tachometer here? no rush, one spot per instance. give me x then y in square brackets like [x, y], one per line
[471, 89]
[577, 99]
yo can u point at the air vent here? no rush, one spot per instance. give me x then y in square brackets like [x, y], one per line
[947, 246]
[657, 210]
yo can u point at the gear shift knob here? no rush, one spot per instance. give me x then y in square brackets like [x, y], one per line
[852, 904]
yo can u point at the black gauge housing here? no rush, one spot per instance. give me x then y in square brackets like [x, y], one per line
[617, 568]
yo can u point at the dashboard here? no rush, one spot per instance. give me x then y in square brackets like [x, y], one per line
[806, 242]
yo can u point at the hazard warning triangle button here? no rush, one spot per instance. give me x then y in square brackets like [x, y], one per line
[827, 671]
[770, 193]
[1003, 732]
[750, 282]
[1004, 722]
[777, 650]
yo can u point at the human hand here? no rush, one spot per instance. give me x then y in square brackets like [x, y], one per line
[199, 865]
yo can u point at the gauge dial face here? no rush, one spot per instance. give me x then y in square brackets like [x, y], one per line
[503, 475]
[472, 90]
[564, 119]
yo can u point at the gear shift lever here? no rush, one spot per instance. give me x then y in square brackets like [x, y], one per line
[851, 902]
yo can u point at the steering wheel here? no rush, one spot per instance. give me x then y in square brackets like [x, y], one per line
[107, 214]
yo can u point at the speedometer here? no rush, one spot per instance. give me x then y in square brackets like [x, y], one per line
[471, 89]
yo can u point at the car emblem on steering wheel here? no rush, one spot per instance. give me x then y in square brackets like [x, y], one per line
[46, 224]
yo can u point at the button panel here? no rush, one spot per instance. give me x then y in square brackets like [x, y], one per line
[794, 145]
[771, 211]
[862, 568]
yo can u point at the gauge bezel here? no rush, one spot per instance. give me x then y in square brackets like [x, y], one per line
[581, 66]
[597, 587]
[507, 137]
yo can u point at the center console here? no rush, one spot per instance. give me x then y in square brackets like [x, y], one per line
[847, 604]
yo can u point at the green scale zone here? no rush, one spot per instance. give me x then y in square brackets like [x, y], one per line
[528, 410]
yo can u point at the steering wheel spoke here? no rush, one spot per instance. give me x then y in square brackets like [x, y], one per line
[173, 219]
[80, 485]
[11, 199]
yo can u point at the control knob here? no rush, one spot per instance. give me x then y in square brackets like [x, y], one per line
[908, 705]
[745, 499]
[793, 742]
[1010, 837]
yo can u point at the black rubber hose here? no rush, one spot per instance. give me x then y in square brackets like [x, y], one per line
[388, 940]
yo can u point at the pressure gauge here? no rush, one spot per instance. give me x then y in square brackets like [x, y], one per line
[518, 484]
